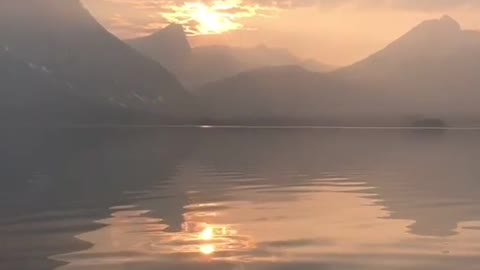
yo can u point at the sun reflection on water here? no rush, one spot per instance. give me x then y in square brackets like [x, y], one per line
[213, 238]
[207, 234]
[207, 249]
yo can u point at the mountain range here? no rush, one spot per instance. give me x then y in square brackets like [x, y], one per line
[428, 73]
[195, 66]
[59, 65]
[64, 54]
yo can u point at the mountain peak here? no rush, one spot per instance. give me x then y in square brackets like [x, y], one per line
[449, 21]
[174, 27]
[445, 23]
[168, 45]
[447, 18]
[171, 29]
[174, 35]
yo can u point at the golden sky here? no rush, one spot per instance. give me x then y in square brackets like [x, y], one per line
[337, 32]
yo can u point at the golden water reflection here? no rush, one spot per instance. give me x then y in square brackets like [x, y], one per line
[131, 236]
[207, 249]
[267, 225]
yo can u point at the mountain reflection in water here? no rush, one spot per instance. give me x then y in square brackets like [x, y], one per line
[240, 199]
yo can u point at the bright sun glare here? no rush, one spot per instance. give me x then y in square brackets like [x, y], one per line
[207, 249]
[210, 21]
[215, 17]
[207, 234]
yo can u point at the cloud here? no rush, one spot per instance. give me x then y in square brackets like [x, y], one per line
[402, 4]
[433, 5]
[140, 17]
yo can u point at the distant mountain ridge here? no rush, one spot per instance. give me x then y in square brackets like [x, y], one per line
[199, 65]
[431, 70]
[61, 37]
[430, 40]
[428, 73]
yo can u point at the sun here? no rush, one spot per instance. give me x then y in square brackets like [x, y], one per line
[214, 17]
[210, 21]
[207, 234]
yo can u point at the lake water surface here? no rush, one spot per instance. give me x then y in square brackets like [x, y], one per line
[253, 199]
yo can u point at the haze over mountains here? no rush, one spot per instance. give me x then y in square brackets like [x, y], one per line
[71, 57]
[430, 72]
[59, 65]
[198, 65]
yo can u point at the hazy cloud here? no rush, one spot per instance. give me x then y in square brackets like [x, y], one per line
[401, 4]
[139, 17]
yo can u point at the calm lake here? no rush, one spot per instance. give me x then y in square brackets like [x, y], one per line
[235, 199]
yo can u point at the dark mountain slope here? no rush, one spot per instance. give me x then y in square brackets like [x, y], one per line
[63, 39]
